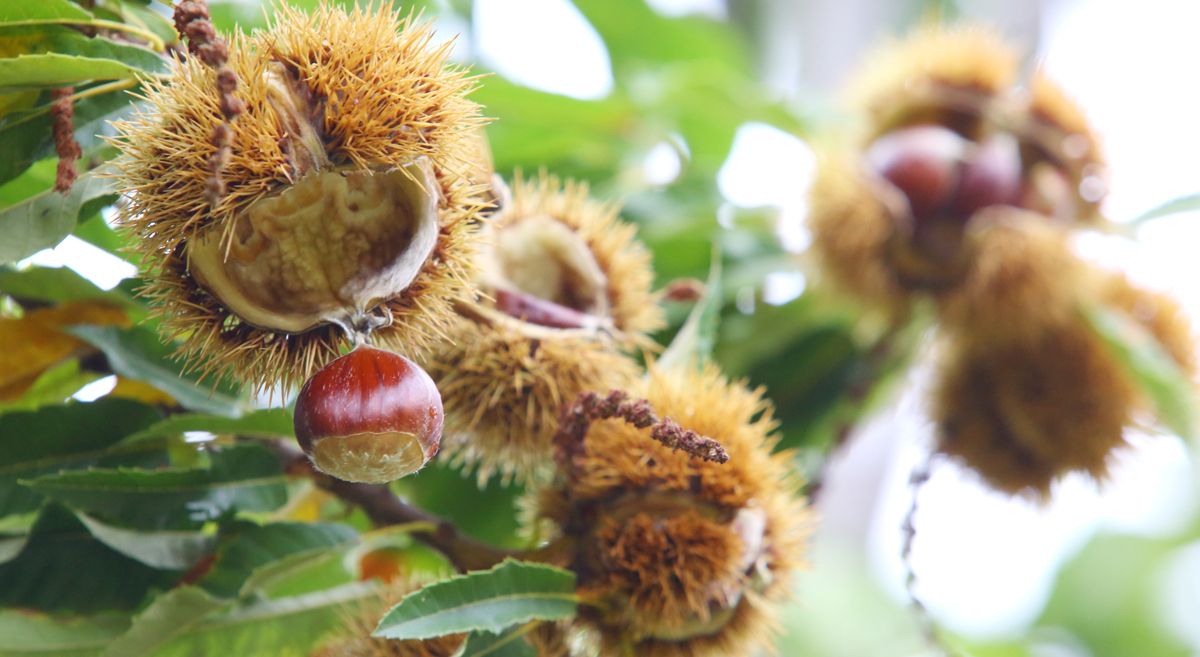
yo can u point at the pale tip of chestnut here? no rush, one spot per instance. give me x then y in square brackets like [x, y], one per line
[371, 416]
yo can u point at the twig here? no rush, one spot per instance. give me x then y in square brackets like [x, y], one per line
[858, 390]
[385, 509]
[920, 474]
[62, 112]
[576, 419]
[192, 21]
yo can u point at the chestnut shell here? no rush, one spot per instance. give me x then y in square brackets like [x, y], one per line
[371, 416]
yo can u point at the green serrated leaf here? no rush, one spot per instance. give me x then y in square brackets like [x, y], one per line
[145, 17]
[28, 634]
[259, 555]
[171, 614]
[284, 626]
[27, 136]
[56, 285]
[1167, 387]
[292, 546]
[490, 600]
[165, 550]
[243, 478]
[63, 568]
[11, 12]
[508, 644]
[253, 558]
[1189, 203]
[138, 354]
[693, 344]
[675, 38]
[45, 220]
[55, 56]
[14, 534]
[269, 423]
[535, 128]
[68, 436]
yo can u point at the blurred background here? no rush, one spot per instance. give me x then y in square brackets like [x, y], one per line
[701, 116]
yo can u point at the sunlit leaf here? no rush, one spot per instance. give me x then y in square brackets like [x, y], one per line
[491, 600]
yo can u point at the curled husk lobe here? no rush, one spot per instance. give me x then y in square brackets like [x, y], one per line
[503, 379]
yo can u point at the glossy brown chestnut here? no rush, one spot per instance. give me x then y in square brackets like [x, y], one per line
[371, 416]
[922, 162]
[991, 175]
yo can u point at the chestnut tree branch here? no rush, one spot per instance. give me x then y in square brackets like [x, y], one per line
[384, 509]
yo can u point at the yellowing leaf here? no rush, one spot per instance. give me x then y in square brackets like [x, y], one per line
[143, 392]
[304, 506]
[34, 343]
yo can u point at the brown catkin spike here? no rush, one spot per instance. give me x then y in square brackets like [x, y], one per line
[684, 289]
[577, 418]
[62, 112]
[193, 23]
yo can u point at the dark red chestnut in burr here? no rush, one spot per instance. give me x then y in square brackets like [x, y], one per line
[922, 162]
[371, 416]
[991, 175]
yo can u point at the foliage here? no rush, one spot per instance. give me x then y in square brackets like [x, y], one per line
[122, 534]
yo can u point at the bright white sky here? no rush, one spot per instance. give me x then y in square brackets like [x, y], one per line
[984, 561]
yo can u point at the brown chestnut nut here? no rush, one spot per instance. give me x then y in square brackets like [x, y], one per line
[922, 162]
[991, 175]
[371, 416]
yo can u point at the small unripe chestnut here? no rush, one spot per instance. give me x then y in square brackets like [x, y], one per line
[922, 162]
[371, 416]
